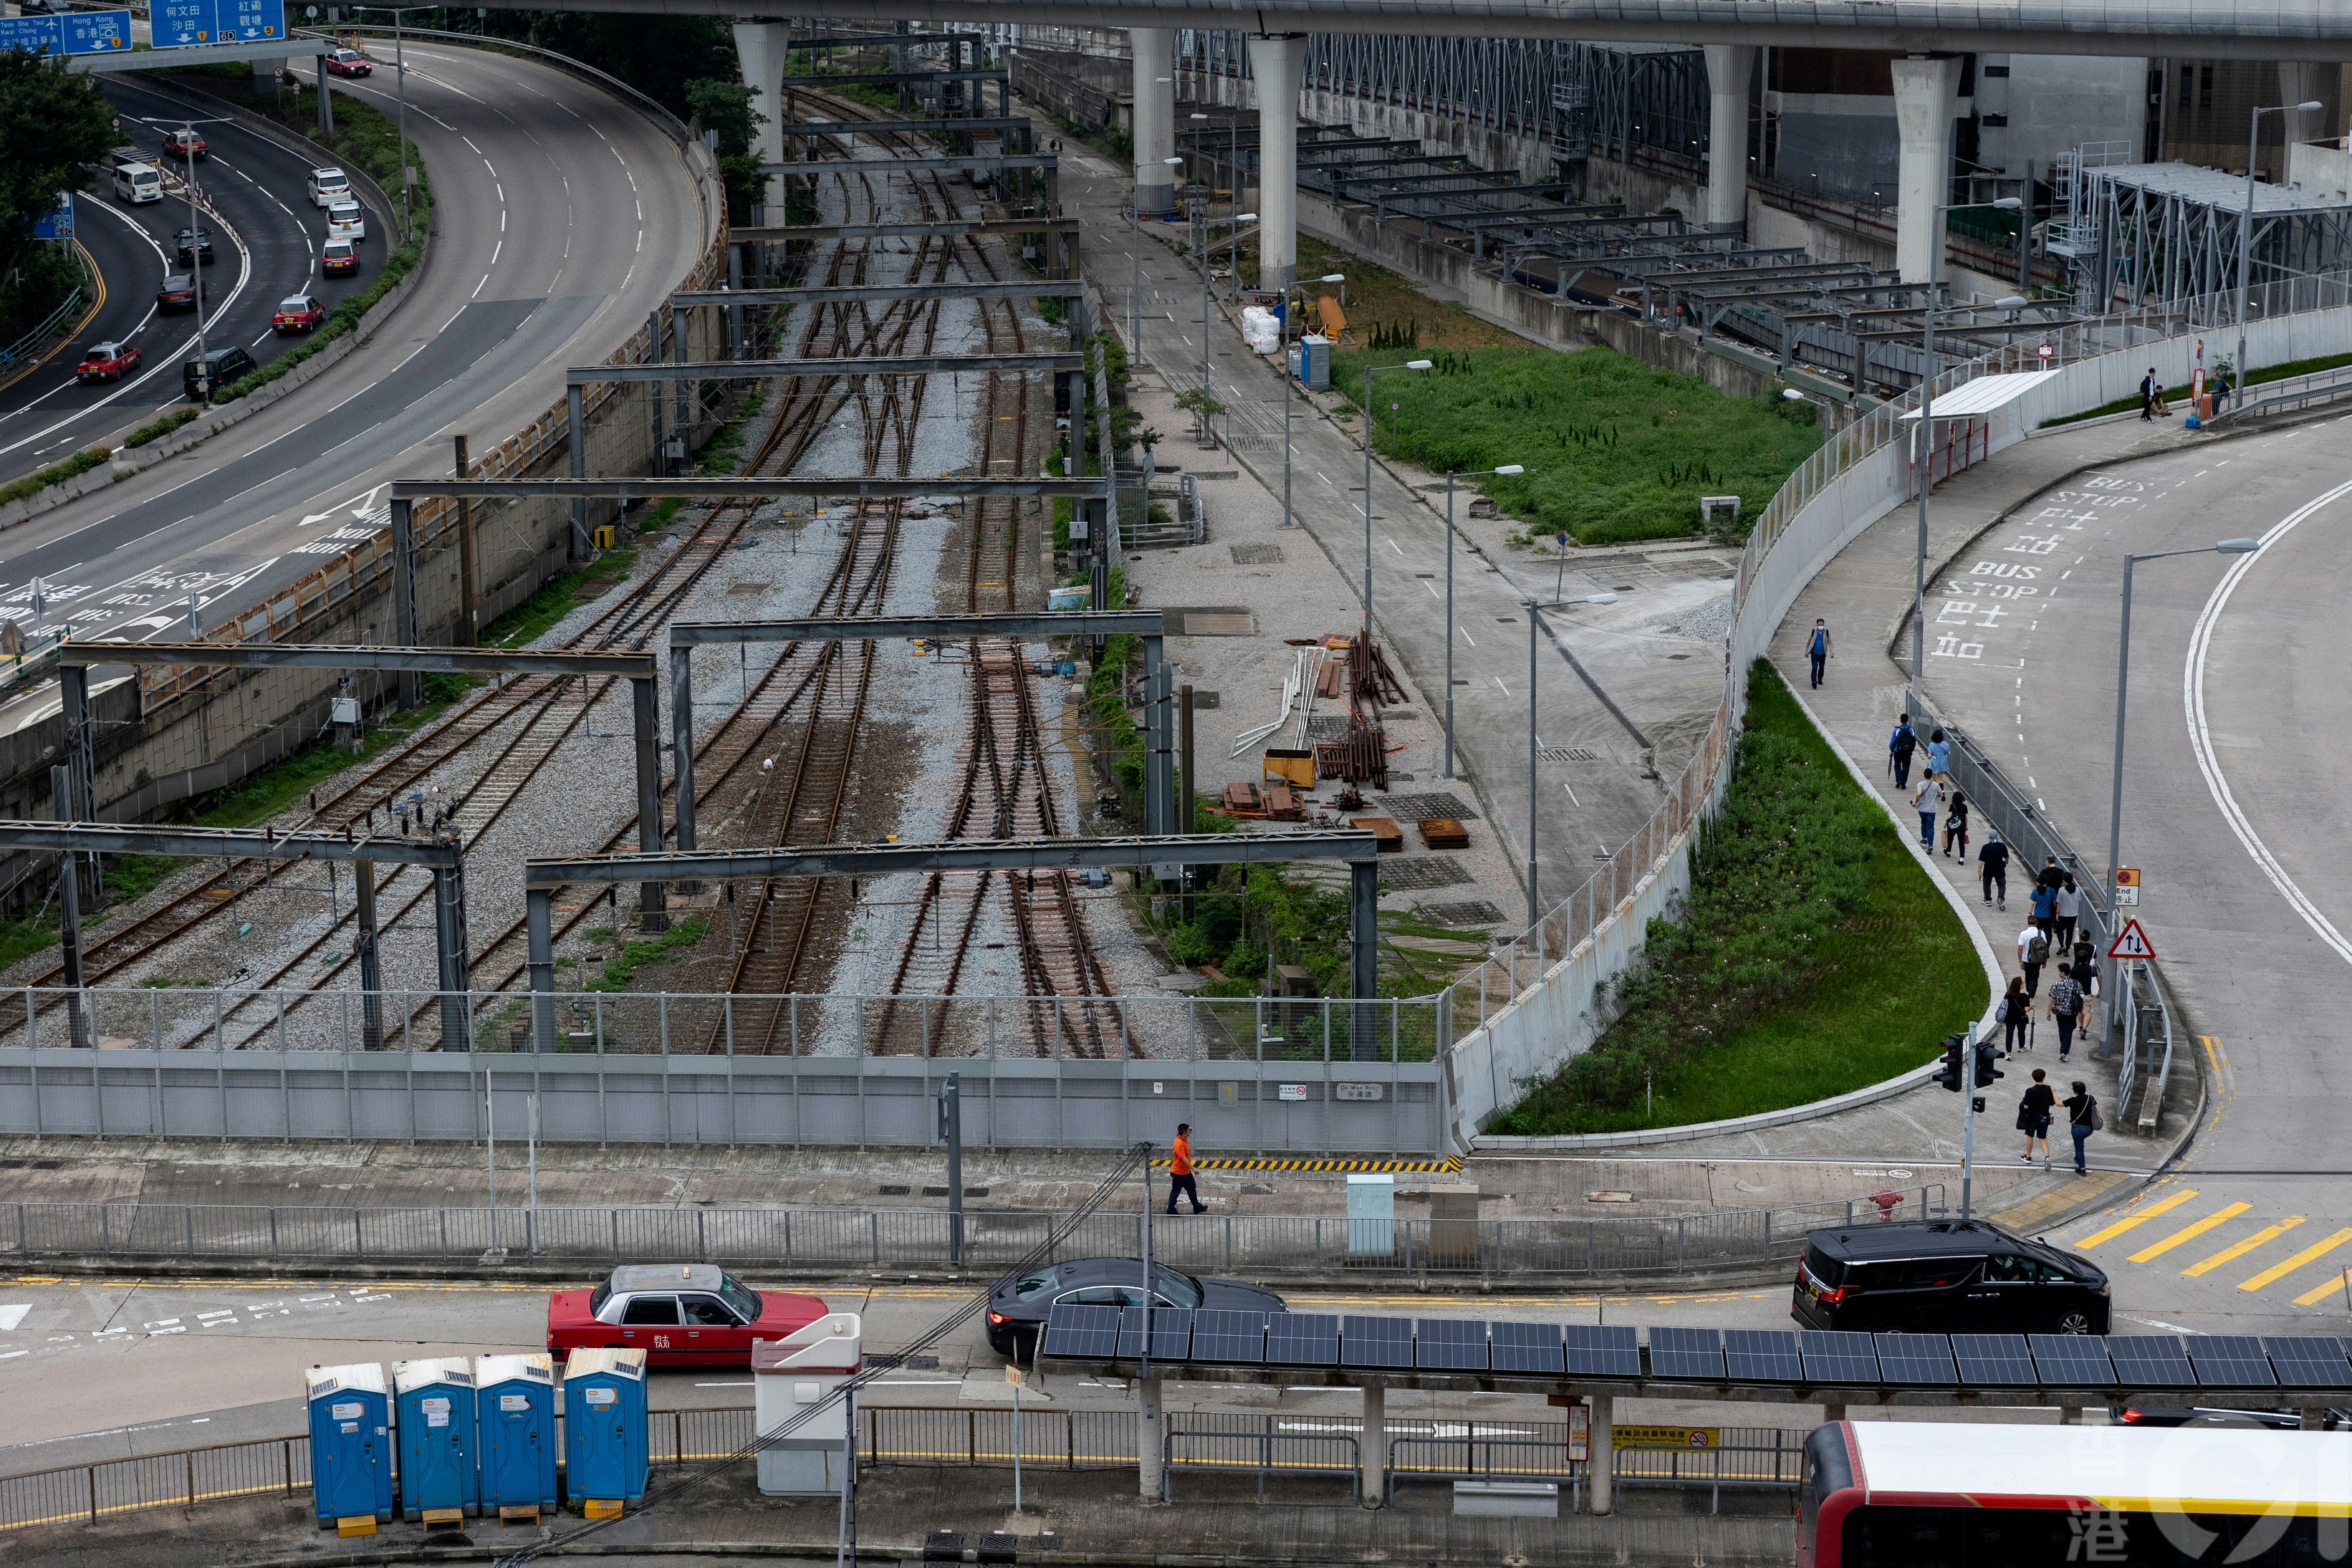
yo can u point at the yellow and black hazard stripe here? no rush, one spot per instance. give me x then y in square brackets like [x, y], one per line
[1448, 1165]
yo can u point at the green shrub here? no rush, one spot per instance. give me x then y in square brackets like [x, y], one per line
[163, 425]
[40, 479]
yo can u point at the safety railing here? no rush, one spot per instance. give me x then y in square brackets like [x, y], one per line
[1322, 1246]
[86, 1494]
[1263, 1444]
[49, 327]
[2291, 396]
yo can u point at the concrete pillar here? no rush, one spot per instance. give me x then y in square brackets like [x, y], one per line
[2300, 81]
[1833, 1412]
[761, 47]
[1926, 93]
[2070, 1413]
[1729, 69]
[1155, 118]
[1374, 1445]
[1278, 63]
[1149, 1428]
[1604, 1453]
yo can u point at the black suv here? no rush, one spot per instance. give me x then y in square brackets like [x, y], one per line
[216, 370]
[1946, 1276]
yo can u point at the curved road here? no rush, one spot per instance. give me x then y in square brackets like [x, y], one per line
[266, 249]
[564, 218]
[2234, 809]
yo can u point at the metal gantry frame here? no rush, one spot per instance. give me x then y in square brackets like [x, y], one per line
[733, 301]
[1358, 847]
[441, 854]
[1159, 770]
[2166, 233]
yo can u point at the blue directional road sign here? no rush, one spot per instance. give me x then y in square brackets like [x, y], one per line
[58, 223]
[75, 33]
[184, 24]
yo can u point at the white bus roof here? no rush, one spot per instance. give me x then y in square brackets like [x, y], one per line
[2204, 1469]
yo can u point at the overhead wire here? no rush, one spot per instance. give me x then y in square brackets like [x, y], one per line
[688, 1481]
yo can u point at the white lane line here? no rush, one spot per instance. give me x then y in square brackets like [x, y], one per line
[2200, 642]
[1499, 681]
[1466, 634]
[13, 1354]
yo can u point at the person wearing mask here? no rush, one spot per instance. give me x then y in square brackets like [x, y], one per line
[1929, 801]
[2033, 1114]
[2069, 909]
[1900, 747]
[2033, 952]
[1180, 1182]
[2066, 1007]
[1992, 867]
[1817, 648]
[2081, 1120]
[2014, 1013]
[1955, 826]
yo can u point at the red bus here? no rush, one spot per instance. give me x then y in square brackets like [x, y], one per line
[1909, 1494]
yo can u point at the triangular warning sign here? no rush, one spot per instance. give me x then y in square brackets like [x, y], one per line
[2132, 942]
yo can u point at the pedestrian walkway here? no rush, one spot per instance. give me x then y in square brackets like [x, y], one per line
[2294, 1255]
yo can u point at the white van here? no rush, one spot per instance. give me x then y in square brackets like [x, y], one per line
[329, 186]
[345, 220]
[137, 182]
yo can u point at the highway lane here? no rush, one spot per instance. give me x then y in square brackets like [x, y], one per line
[2238, 711]
[266, 249]
[564, 218]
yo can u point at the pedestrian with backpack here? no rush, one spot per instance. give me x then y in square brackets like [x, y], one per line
[1992, 867]
[2014, 1012]
[1929, 801]
[2067, 1008]
[2033, 952]
[2045, 907]
[2082, 1119]
[1900, 747]
[2034, 1113]
[2086, 966]
[1955, 826]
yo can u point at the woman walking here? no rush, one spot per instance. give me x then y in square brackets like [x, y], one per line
[2033, 1115]
[2069, 910]
[2015, 1015]
[2081, 1120]
[1956, 825]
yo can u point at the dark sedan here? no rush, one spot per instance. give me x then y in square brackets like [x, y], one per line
[1017, 1309]
[194, 244]
[178, 292]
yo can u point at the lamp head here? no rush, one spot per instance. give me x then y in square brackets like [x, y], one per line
[1511, 468]
[1200, 117]
[1172, 163]
[2008, 203]
[1792, 394]
[1245, 217]
[2239, 546]
[1334, 277]
[2313, 107]
[1418, 364]
[2012, 302]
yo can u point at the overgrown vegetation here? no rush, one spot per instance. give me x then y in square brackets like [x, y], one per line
[40, 479]
[620, 970]
[1379, 301]
[557, 597]
[53, 124]
[161, 426]
[1813, 956]
[1614, 450]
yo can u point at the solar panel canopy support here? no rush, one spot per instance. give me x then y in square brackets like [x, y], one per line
[1372, 1443]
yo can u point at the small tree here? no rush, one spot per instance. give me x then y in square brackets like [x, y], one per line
[52, 123]
[1203, 408]
[725, 107]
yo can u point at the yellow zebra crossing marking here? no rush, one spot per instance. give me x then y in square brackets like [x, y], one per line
[2191, 1232]
[2139, 1217]
[2278, 1271]
[2314, 1297]
[2204, 1265]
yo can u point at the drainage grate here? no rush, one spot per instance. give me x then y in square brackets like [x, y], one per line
[1420, 808]
[1419, 874]
[1256, 555]
[1471, 912]
[1566, 754]
[1209, 621]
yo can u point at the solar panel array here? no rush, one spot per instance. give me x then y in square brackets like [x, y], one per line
[1808, 1358]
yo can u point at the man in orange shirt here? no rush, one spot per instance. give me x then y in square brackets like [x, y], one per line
[1180, 1170]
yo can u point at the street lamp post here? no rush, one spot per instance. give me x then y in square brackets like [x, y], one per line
[1922, 450]
[1534, 908]
[197, 271]
[2246, 221]
[1288, 521]
[2123, 680]
[1369, 371]
[1450, 477]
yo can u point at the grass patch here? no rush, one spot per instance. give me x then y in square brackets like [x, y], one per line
[158, 428]
[1389, 303]
[2278, 372]
[618, 972]
[1813, 956]
[1614, 450]
[556, 598]
[40, 479]
[264, 795]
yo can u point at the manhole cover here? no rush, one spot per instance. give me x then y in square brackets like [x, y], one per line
[1471, 912]
[1420, 808]
[1422, 873]
[1255, 555]
[1210, 621]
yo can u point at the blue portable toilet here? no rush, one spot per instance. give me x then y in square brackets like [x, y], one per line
[605, 1456]
[515, 1419]
[351, 1451]
[433, 1398]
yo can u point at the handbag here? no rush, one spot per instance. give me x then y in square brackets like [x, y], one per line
[2098, 1123]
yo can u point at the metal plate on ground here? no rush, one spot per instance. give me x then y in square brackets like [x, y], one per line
[1468, 913]
[1420, 808]
[1418, 872]
[1326, 726]
[1256, 555]
[1210, 621]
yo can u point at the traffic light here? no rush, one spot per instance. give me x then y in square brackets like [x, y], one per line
[1954, 1050]
[1986, 1070]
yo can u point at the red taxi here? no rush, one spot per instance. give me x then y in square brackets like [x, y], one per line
[186, 144]
[107, 362]
[679, 1314]
[301, 313]
[349, 63]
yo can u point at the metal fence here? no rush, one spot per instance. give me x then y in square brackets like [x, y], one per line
[819, 1238]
